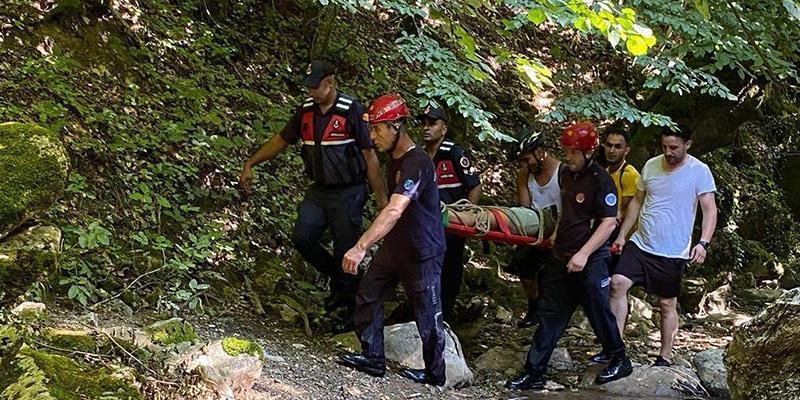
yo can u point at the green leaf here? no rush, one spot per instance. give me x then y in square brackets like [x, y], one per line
[163, 201]
[536, 15]
[580, 24]
[636, 45]
[793, 9]
[73, 291]
[477, 74]
[702, 8]
[613, 37]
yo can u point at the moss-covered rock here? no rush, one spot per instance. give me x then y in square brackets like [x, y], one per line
[81, 340]
[39, 375]
[172, 331]
[763, 360]
[26, 257]
[34, 165]
[234, 346]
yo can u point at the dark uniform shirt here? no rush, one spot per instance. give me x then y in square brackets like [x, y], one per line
[455, 175]
[586, 197]
[418, 234]
[334, 159]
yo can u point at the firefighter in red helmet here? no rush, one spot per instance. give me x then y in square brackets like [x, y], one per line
[580, 274]
[411, 253]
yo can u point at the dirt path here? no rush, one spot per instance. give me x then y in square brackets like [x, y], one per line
[303, 367]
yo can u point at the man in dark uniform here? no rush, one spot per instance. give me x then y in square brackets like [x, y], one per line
[456, 179]
[412, 250]
[338, 156]
[588, 216]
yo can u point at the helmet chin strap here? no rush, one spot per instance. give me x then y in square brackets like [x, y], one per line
[397, 135]
[586, 160]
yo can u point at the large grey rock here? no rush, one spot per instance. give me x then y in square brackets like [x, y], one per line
[511, 361]
[403, 345]
[34, 169]
[711, 370]
[763, 360]
[648, 381]
[506, 361]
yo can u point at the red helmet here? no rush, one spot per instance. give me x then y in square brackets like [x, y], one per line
[581, 136]
[389, 107]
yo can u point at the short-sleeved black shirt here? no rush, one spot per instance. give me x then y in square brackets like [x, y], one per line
[418, 234]
[456, 175]
[586, 197]
[354, 123]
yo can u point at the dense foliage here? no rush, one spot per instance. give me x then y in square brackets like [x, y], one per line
[160, 101]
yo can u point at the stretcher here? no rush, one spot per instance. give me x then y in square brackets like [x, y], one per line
[509, 225]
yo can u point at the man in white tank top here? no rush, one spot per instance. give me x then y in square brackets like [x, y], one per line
[537, 187]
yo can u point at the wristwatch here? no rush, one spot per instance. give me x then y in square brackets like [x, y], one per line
[704, 243]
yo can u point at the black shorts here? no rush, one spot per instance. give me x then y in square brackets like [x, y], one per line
[659, 275]
[528, 261]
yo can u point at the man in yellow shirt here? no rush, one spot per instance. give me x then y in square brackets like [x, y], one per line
[625, 176]
[616, 144]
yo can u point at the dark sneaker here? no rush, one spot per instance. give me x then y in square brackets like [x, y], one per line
[530, 319]
[369, 365]
[600, 358]
[662, 362]
[527, 381]
[422, 376]
[619, 368]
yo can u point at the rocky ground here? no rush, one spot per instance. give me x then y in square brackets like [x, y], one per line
[298, 366]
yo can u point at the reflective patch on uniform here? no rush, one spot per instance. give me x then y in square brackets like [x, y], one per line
[605, 282]
[611, 199]
[464, 162]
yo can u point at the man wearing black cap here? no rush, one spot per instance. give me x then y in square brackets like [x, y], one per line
[339, 157]
[456, 179]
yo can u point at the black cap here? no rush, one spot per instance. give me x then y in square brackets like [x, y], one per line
[433, 113]
[317, 71]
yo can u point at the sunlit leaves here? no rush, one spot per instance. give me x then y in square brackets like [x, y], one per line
[534, 74]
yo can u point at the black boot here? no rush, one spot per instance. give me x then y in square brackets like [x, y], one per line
[527, 381]
[422, 376]
[531, 316]
[369, 365]
[600, 358]
[619, 368]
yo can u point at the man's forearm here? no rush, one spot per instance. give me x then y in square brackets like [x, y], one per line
[267, 150]
[709, 224]
[383, 223]
[629, 219]
[600, 236]
[474, 195]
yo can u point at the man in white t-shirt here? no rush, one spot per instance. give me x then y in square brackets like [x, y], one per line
[668, 192]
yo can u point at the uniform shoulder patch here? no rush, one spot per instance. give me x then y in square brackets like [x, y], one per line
[464, 162]
[611, 199]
